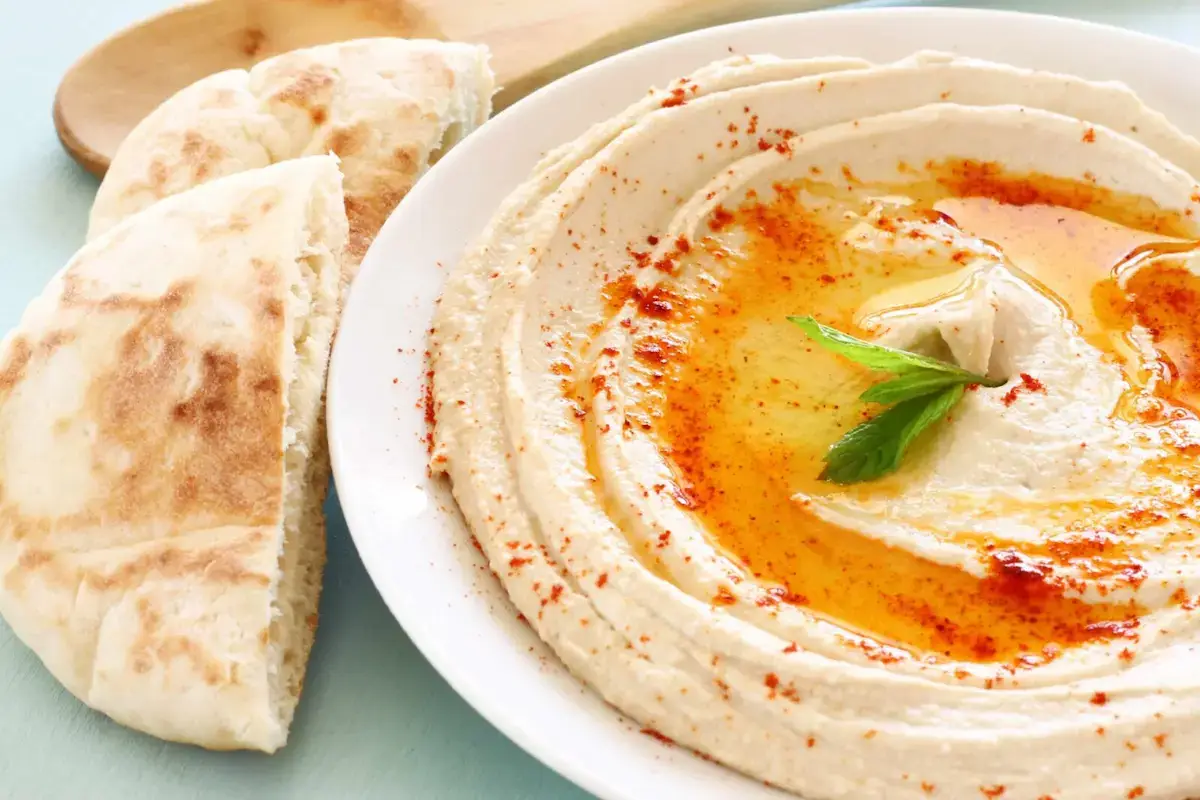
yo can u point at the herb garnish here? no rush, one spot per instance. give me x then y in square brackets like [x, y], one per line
[923, 391]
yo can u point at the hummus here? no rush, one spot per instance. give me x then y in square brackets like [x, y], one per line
[634, 432]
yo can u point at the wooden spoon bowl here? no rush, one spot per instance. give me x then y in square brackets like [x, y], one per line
[111, 88]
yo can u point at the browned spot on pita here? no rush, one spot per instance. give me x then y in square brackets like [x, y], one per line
[367, 211]
[149, 620]
[222, 565]
[22, 527]
[186, 491]
[225, 568]
[169, 302]
[13, 370]
[180, 438]
[257, 205]
[433, 64]
[173, 647]
[126, 404]
[308, 91]
[408, 159]
[214, 456]
[235, 414]
[149, 645]
[221, 98]
[366, 215]
[53, 570]
[273, 309]
[207, 407]
[30, 561]
[33, 559]
[264, 637]
[201, 155]
[54, 340]
[348, 141]
[159, 175]
[75, 295]
[248, 213]
[72, 291]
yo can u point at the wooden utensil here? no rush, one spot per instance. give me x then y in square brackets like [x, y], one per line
[114, 86]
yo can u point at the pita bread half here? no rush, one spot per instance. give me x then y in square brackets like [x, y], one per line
[163, 459]
[386, 107]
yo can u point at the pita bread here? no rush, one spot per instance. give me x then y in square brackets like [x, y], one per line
[163, 460]
[386, 107]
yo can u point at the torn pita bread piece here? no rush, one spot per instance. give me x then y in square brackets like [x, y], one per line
[164, 460]
[386, 107]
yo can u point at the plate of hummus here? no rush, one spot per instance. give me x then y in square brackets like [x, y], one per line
[804, 407]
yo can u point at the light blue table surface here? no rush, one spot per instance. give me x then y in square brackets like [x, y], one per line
[376, 720]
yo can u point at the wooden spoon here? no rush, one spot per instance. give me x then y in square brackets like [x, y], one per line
[114, 86]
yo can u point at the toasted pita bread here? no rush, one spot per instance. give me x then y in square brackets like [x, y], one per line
[163, 460]
[386, 107]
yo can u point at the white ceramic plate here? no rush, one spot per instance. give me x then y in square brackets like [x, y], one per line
[412, 540]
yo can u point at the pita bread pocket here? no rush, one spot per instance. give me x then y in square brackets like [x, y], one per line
[164, 459]
[387, 107]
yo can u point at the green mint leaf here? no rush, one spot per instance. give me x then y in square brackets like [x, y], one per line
[913, 384]
[874, 448]
[881, 358]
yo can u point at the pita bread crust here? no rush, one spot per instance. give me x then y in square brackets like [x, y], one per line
[145, 405]
[386, 107]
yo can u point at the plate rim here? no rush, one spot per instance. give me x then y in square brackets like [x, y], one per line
[406, 611]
